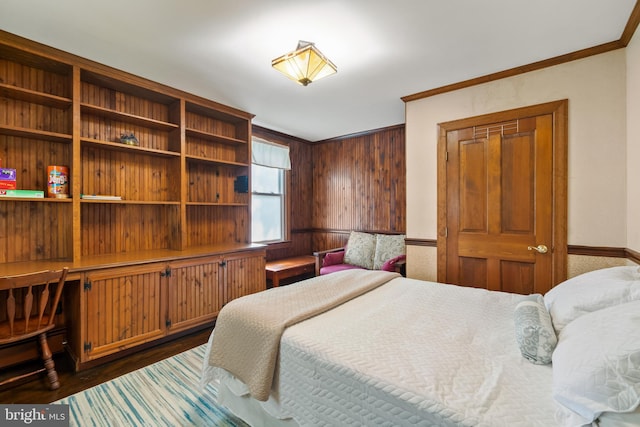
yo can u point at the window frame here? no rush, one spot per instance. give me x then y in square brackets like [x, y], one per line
[286, 202]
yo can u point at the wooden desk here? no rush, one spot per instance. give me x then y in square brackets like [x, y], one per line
[289, 267]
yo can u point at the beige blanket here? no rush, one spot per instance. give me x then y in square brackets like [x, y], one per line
[248, 330]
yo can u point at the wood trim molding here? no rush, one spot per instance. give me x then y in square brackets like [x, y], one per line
[278, 136]
[433, 243]
[632, 255]
[632, 25]
[622, 42]
[364, 133]
[302, 230]
[336, 231]
[559, 110]
[599, 251]
[580, 54]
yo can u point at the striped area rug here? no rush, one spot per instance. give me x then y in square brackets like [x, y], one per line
[166, 393]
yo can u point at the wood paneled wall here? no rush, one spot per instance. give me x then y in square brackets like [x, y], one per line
[355, 182]
[358, 184]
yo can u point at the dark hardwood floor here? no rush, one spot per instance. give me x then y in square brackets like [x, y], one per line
[36, 389]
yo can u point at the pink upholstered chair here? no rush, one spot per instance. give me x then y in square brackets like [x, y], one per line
[364, 251]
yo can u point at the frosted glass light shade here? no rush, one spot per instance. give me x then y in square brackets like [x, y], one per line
[306, 64]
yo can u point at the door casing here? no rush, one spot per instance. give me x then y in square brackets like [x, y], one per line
[558, 246]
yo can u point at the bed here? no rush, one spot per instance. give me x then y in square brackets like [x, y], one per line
[398, 351]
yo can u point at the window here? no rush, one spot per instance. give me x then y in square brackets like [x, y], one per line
[269, 163]
[267, 204]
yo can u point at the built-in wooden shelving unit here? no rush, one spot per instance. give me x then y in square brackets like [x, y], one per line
[178, 199]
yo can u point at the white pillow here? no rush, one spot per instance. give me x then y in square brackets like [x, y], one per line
[534, 331]
[629, 419]
[591, 291]
[361, 248]
[596, 364]
[566, 417]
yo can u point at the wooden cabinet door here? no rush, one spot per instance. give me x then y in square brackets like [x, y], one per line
[194, 292]
[122, 308]
[244, 274]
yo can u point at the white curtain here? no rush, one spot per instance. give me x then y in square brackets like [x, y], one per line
[268, 154]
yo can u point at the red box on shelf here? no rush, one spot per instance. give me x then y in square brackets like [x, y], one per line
[7, 185]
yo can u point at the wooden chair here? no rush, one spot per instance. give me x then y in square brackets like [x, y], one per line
[36, 301]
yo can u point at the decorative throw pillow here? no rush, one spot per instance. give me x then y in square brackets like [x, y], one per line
[590, 292]
[360, 249]
[333, 258]
[390, 265]
[596, 365]
[534, 331]
[387, 247]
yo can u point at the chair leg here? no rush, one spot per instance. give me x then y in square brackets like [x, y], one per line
[48, 362]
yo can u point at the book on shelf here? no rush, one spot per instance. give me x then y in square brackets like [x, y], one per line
[34, 194]
[99, 197]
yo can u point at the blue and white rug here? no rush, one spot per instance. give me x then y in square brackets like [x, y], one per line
[166, 393]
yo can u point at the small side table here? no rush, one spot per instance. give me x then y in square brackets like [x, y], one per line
[285, 268]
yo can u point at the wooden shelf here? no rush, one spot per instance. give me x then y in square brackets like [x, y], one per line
[34, 134]
[35, 97]
[35, 199]
[117, 146]
[100, 262]
[238, 205]
[215, 162]
[131, 202]
[72, 113]
[126, 85]
[218, 112]
[128, 118]
[214, 137]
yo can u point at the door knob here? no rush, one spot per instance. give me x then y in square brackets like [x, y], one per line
[540, 249]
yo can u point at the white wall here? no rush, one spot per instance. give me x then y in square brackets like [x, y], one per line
[633, 143]
[597, 195]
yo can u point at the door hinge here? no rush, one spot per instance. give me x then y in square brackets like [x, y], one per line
[446, 232]
[87, 346]
[446, 156]
[223, 263]
[87, 285]
[166, 272]
[167, 323]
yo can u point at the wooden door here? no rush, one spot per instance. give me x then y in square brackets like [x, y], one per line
[501, 229]
[195, 293]
[244, 274]
[122, 308]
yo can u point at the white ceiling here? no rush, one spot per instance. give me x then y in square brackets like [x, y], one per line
[222, 49]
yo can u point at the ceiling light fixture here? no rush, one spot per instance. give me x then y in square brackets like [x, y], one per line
[306, 64]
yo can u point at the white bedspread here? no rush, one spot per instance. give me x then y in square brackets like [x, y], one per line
[412, 353]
